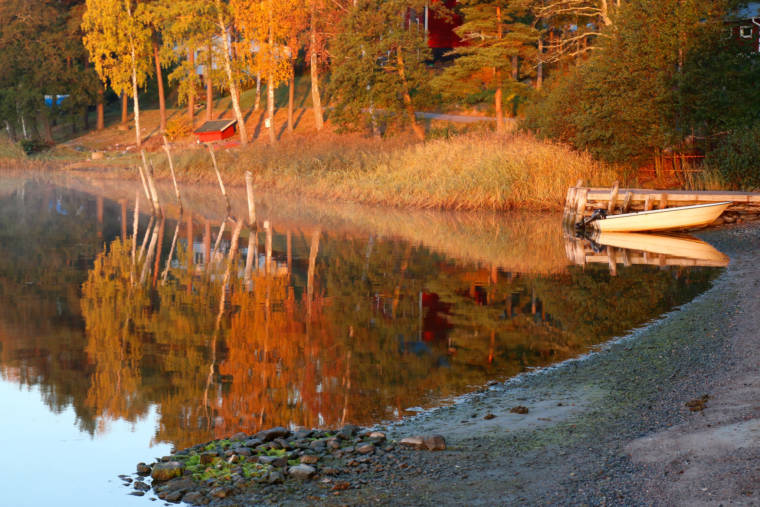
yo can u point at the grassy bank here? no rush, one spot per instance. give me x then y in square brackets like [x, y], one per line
[471, 171]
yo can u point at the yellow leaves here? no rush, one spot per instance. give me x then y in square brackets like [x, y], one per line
[118, 41]
[268, 27]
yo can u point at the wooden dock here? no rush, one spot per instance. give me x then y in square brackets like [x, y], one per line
[582, 201]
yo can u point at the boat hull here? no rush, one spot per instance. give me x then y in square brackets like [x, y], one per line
[662, 219]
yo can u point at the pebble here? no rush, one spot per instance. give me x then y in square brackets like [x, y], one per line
[365, 449]
[167, 470]
[309, 459]
[302, 471]
[143, 469]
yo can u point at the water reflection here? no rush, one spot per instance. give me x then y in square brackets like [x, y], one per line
[628, 248]
[225, 328]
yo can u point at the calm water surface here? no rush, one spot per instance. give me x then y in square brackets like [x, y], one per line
[323, 316]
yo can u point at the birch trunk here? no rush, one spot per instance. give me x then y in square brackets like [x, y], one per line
[231, 81]
[316, 101]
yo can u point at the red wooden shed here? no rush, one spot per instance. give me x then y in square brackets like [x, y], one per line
[216, 130]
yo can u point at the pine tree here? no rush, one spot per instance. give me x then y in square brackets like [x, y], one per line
[498, 36]
[378, 65]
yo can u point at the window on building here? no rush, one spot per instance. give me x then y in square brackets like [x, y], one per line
[745, 32]
[728, 33]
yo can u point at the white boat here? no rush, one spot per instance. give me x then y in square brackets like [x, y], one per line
[682, 217]
[674, 247]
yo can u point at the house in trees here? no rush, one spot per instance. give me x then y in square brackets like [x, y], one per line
[743, 26]
[439, 27]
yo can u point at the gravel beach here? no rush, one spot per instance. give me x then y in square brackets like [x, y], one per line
[668, 415]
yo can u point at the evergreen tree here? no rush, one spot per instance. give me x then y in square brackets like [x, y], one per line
[631, 98]
[498, 36]
[378, 65]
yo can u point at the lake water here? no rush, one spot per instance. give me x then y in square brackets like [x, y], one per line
[324, 315]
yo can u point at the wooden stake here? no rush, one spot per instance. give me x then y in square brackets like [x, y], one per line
[145, 239]
[613, 197]
[626, 202]
[251, 203]
[647, 203]
[174, 177]
[150, 254]
[165, 274]
[219, 177]
[144, 183]
[218, 240]
[663, 200]
[268, 246]
[153, 195]
[135, 225]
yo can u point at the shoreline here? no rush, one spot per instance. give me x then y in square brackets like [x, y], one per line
[596, 426]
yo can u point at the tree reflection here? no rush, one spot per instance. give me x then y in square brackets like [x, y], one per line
[248, 329]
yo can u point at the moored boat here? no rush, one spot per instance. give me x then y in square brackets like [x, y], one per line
[682, 217]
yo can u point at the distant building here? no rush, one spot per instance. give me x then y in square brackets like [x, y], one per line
[743, 26]
[441, 37]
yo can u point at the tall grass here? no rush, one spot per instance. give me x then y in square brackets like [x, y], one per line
[468, 172]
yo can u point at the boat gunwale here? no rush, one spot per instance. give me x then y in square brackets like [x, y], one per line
[678, 208]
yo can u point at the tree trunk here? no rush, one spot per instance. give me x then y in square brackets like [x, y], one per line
[160, 81]
[86, 118]
[498, 95]
[497, 100]
[291, 92]
[419, 132]
[47, 128]
[124, 108]
[232, 84]
[191, 95]
[270, 108]
[138, 135]
[100, 124]
[316, 101]
[209, 86]
[257, 102]
[540, 67]
[270, 83]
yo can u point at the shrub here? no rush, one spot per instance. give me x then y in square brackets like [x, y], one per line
[177, 128]
[737, 158]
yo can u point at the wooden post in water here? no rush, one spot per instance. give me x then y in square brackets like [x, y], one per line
[247, 280]
[626, 202]
[613, 197]
[663, 200]
[219, 178]
[145, 184]
[580, 208]
[158, 251]
[249, 194]
[218, 239]
[289, 251]
[134, 236]
[268, 246]
[310, 273]
[145, 238]
[647, 203]
[165, 274]
[152, 194]
[123, 204]
[150, 254]
[612, 261]
[171, 168]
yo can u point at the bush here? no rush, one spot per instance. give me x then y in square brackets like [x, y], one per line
[178, 128]
[737, 158]
[33, 146]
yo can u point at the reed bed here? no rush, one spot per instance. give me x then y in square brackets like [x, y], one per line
[467, 172]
